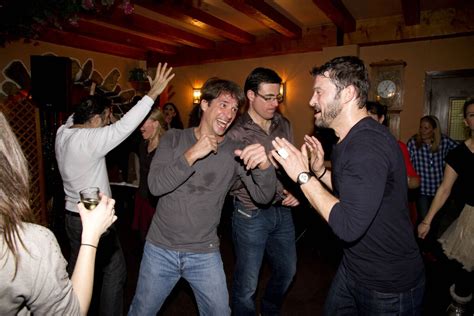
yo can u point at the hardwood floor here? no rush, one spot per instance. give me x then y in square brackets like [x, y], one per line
[318, 254]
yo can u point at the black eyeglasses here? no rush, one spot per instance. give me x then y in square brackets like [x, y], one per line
[278, 98]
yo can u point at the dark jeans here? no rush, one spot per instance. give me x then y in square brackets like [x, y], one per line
[255, 233]
[423, 203]
[347, 297]
[110, 269]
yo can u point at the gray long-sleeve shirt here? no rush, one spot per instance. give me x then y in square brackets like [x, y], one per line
[191, 197]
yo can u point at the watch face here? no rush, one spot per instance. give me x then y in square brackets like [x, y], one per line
[386, 89]
[303, 178]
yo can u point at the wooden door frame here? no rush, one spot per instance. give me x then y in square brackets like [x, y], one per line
[431, 75]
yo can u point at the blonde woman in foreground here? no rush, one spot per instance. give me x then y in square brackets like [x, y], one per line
[33, 277]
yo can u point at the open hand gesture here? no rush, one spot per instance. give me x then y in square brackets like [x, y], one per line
[293, 161]
[316, 151]
[162, 78]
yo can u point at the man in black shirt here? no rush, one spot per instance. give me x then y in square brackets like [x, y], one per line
[363, 199]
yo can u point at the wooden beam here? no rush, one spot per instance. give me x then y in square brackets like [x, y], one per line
[268, 45]
[166, 32]
[338, 14]
[268, 16]
[85, 42]
[188, 14]
[411, 12]
[100, 30]
[434, 24]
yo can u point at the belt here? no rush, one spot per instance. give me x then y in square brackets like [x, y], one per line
[75, 214]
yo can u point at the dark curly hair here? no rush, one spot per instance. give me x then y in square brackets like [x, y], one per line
[345, 71]
[214, 87]
[89, 107]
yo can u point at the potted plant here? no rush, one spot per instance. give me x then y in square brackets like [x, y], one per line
[138, 79]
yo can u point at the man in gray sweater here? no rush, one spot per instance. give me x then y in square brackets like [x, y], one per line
[192, 171]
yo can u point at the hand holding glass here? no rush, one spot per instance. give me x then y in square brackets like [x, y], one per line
[96, 224]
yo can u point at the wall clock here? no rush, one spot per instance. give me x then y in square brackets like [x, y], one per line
[387, 82]
[386, 89]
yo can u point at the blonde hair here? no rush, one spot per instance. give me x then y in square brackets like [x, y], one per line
[158, 116]
[434, 122]
[14, 190]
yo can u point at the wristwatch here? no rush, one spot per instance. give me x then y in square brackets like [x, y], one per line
[303, 178]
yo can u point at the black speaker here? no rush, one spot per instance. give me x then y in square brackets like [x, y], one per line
[51, 82]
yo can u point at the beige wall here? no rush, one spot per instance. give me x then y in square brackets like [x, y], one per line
[421, 56]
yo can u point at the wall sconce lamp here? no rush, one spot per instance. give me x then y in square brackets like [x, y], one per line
[283, 90]
[196, 95]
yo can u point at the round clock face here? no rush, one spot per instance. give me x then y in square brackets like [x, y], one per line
[386, 89]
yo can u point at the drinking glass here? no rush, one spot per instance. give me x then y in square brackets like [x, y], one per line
[90, 197]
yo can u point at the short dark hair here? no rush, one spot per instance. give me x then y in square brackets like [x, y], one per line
[377, 109]
[89, 107]
[468, 102]
[214, 87]
[195, 116]
[260, 75]
[345, 71]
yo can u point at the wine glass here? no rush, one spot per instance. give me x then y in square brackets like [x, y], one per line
[90, 197]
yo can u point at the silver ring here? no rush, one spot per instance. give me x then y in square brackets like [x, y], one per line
[283, 153]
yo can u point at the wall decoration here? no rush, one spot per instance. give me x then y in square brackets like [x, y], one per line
[84, 77]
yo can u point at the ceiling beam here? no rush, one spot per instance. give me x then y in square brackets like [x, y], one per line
[100, 30]
[442, 23]
[338, 14]
[268, 16]
[411, 12]
[160, 30]
[56, 36]
[267, 45]
[185, 12]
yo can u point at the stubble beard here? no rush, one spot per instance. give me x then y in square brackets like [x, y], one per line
[326, 118]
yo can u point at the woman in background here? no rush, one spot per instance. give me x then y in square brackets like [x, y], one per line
[33, 276]
[428, 149]
[145, 203]
[173, 119]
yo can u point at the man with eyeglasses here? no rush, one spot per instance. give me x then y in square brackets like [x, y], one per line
[262, 229]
